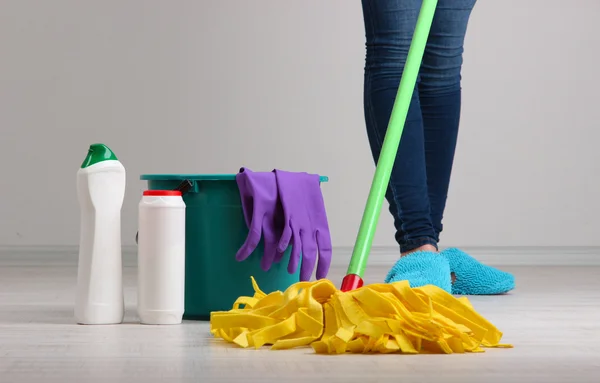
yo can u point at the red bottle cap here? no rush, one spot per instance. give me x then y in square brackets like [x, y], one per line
[162, 193]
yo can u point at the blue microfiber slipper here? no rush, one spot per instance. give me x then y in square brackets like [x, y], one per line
[475, 278]
[422, 268]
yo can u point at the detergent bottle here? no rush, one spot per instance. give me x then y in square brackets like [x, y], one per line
[100, 191]
[161, 257]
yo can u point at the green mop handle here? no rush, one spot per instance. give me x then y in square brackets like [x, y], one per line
[381, 178]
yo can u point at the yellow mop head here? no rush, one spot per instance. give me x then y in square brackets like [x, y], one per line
[378, 318]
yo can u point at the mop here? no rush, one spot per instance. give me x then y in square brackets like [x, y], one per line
[376, 318]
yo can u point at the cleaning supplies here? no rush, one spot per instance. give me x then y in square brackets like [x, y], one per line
[263, 215]
[161, 257]
[384, 318]
[216, 230]
[100, 190]
[378, 318]
[286, 209]
[183, 187]
[306, 226]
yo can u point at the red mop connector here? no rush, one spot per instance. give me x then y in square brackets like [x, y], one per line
[351, 282]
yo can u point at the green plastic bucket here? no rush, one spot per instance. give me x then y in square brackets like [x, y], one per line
[215, 230]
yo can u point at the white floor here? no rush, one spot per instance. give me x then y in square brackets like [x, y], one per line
[552, 318]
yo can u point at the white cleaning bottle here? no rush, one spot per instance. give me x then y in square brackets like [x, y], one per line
[161, 257]
[100, 191]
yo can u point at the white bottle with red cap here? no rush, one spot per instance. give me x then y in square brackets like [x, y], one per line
[161, 257]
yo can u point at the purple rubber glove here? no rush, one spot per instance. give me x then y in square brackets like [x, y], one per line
[305, 227]
[263, 214]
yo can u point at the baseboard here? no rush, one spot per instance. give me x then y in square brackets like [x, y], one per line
[497, 256]
[504, 256]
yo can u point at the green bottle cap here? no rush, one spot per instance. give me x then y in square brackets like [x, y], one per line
[98, 153]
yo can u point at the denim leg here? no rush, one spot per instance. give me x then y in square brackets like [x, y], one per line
[440, 98]
[389, 27]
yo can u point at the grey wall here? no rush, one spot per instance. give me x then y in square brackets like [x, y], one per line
[209, 86]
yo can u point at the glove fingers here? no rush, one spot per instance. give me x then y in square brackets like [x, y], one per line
[284, 242]
[295, 256]
[278, 256]
[309, 255]
[286, 237]
[253, 238]
[269, 256]
[325, 249]
[245, 196]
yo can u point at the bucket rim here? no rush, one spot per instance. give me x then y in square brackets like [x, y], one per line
[197, 177]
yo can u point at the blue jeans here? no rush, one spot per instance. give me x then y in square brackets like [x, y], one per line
[420, 177]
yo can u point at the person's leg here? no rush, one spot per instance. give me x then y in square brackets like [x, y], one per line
[389, 27]
[440, 99]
